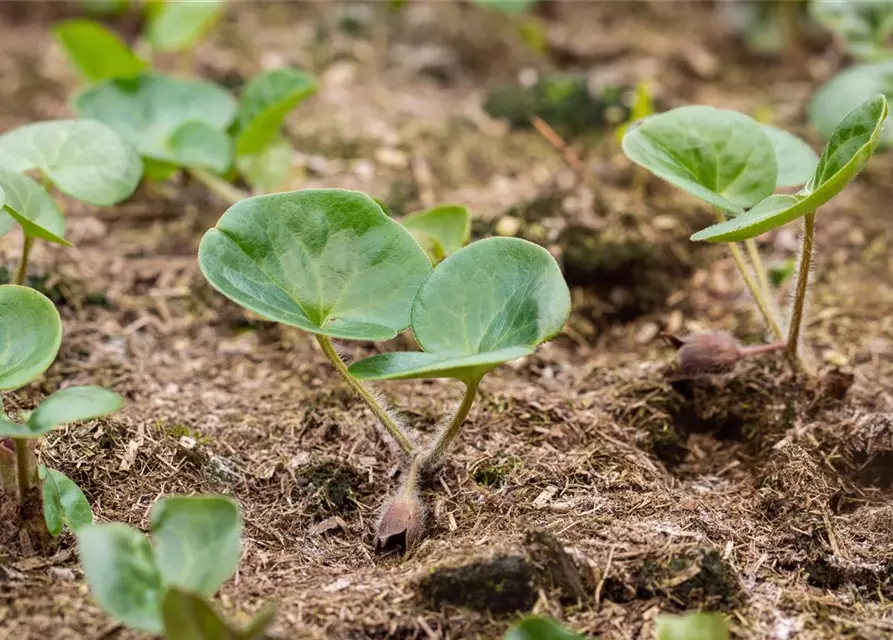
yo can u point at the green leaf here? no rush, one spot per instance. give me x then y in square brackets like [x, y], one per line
[190, 617]
[148, 110]
[846, 154]
[71, 405]
[540, 628]
[796, 160]
[507, 6]
[260, 622]
[30, 335]
[197, 541]
[28, 204]
[175, 26]
[328, 261]
[63, 502]
[692, 626]
[196, 144]
[865, 25]
[493, 301]
[84, 158]
[846, 91]
[722, 157]
[267, 169]
[96, 52]
[266, 100]
[449, 225]
[120, 569]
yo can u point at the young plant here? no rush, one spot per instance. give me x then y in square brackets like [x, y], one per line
[441, 231]
[734, 164]
[162, 585]
[175, 26]
[865, 26]
[31, 331]
[82, 158]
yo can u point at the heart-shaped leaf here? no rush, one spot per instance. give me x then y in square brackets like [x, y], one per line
[83, 158]
[448, 225]
[722, 157]
[846, 154]
[846, 91]
[692, 626]
[30, 332]
[71, 405]
[266, 100]
[64, 504]
[175, 26]
[29, 205]
[796, 160]
[96, 52]
[865, 25]
[328, 261]
[493, 301]
[189, 617]
[267, 169]
[121, 571]
[148, 110]
[196, 144]
[539, 628]
[197, 541]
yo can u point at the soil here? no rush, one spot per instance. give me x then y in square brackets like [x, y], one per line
[585, 485]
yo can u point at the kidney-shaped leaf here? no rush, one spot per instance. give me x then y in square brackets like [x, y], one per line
[190, 617]
[796, 160]
[70, 405]
[83, 158]
[846, 154]
[539, 628]
[328, 261]
[692, 626]
[197, 541]
[266, 101]
[846, 91]
[96, 52]
[148, 110]
[30, 335]
[491, 302]
[63, 502]
[175, 25]
[29, 205]
[448, 225]
[722, 157]
[121, 571]
[197, 144]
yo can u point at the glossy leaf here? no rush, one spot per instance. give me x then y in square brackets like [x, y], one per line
[692, 626]
[189, 617]
[865, 25]
[83, 158]
[197, 541]
[796, 160]
[493, 301]
[177, 25]
[328, 261]
[71, 405]
[448, 225]
[846, 154]
[30, 335]
[64, 504]
[722, 157]
[268, 169]
[149, 110]
[96, 52]
[30, 206]
[197, 144]
[846, 91]
[540, 628]
[121, 571]
[266, 101]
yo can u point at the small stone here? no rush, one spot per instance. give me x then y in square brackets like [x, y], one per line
[507, 226]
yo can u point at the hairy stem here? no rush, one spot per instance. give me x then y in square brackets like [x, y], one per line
[802, 284]
[452, 430]
[763, 279]
[387, 422]
[412, 477]
[222, 189]
[755, 291]
[21, 445]
[23, 263]
[758, 349]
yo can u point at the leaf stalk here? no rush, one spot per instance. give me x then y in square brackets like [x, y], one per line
[222, 189]
[24, 480]
[23, 263]
[452, 430]
[802, 285]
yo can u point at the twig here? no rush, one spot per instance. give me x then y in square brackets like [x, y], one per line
[558, 143]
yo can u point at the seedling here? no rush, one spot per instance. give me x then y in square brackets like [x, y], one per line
[31, 332]
[441, 231]
[162, 586]
[82, 158]
[865, 26]
[332, 263]
[734, 163]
